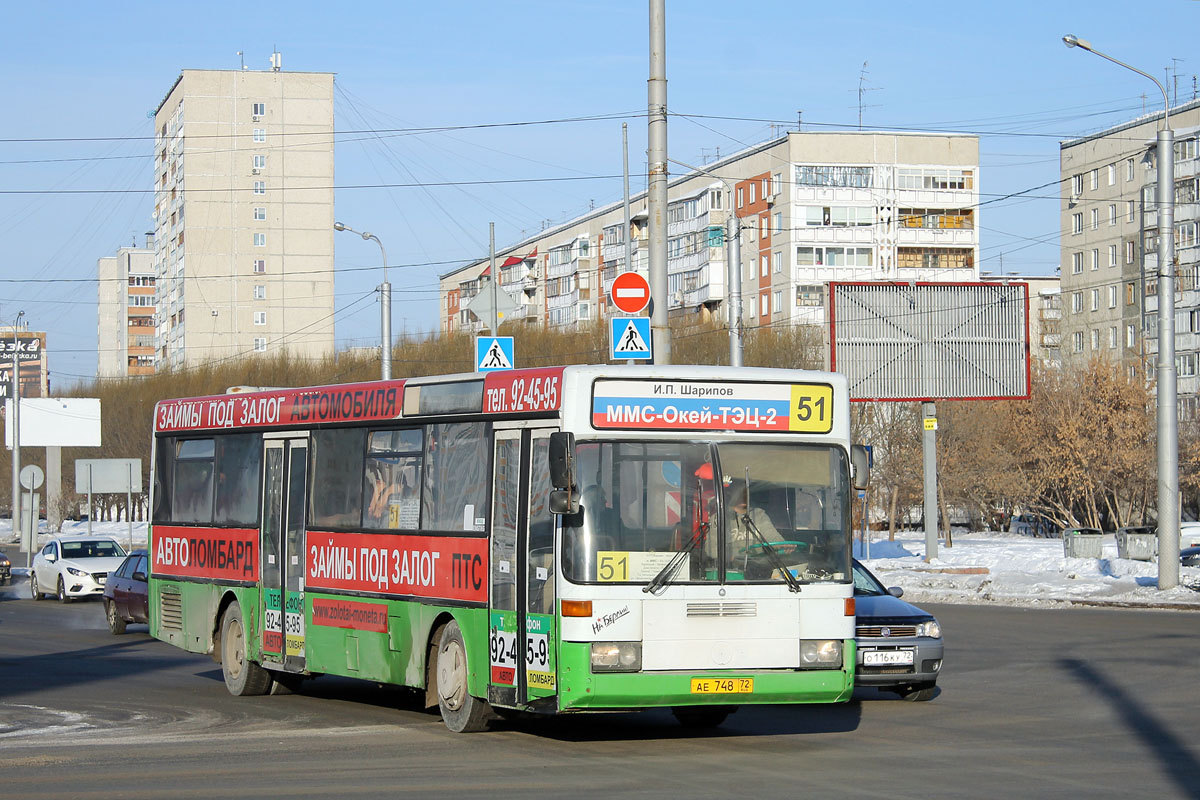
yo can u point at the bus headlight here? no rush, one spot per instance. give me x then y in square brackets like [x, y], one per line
[616, 656]
[930, 629]
[820, 652]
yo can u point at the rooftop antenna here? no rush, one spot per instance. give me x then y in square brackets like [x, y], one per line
[276, 61]
[862, 87]
[242, 56]
[799, 120]
[1175, 62]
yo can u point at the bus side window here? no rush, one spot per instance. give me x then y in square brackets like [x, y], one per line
[337, 468]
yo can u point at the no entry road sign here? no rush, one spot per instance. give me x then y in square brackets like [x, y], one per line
[630, 292]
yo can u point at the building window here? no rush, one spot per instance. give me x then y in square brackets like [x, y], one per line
[1095, 338]
[1076, 185]
[928, 178]
[258, 109]
[1129, 252]
[1094, 179]
[260, 240]
[776, 302]
[260, 213]
[260, 292]
[777, 183]
[260, 318]
[835, 257]
[1076, 263]
[1112, 174]
[1112, 338]
[739, 197]
[260, 161]
[260, 187]
[777, 262]
[260, 344]
[753, 189]
[764, 229]
[1129, 293]
[777, 222]
[763, 266]
[1077, 223]
[1095, 218]
[714, 200]
[1077, 341]
[1129, 170]
[1187, 364]
[1130, 335]
[260, 134]
[1077, 302]
[260, 265]
[1112, 255]
[1095, 299]
[763, 309]
[1112, 297]
[1095, 258]
[1112, 214]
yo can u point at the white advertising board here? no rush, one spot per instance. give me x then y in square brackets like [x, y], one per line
[115, 475]
[56, 422]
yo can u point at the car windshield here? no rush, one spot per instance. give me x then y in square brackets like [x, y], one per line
[105, 548]
[865, 583]
[706, 512]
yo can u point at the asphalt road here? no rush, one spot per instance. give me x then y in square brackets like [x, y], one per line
[1033, 703]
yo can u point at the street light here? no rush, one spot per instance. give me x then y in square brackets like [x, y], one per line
[385, 297]
[16, 438]
[1168, 425]
[733, 269]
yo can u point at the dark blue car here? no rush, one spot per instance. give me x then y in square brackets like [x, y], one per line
[899, 645]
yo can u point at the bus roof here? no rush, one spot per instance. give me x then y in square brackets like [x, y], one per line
[538, 390]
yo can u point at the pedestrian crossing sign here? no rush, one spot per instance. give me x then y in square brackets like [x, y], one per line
[630, 337]
[493, 353]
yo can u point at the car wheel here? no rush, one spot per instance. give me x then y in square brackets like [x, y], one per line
[461, 712]
[34, 591]
[243, 677]
[62, 591]
[918, 693]
[701, 716]
[115, 623]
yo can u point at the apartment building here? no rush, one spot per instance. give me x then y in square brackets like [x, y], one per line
[125, 311]
[1109, 224]
[243, 209]
[813, 207]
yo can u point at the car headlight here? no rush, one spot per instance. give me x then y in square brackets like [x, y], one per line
[820, 652]
[930, 629]
[616, 656]
[74, 571]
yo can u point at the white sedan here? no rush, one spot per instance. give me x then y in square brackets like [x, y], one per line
[74, 566]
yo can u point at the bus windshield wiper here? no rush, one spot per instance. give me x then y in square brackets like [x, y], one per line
[664, 576]
[772, 555]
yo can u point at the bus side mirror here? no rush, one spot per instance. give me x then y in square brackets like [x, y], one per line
[562, 460]
[860, 459]
[564, 501]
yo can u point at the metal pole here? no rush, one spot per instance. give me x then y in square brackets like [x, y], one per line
[16, 438]
[385, 312]
[657, 193]
[1168, 427]
[929, 448]
[1167, 392]
[129, 505]
[91, 509]
[733, 232]
[628, 227]
[495, 326]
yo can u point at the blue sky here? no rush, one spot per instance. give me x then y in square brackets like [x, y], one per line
[92, 73]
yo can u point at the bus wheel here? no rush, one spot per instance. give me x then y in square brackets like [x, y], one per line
[242, 676]
[701, 716]
[461, 712]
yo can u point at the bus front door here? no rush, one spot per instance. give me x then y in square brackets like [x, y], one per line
[521, 630]
[285, 474]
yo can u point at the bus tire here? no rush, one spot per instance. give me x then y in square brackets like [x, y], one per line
[461, 712]
[243, 678]
[286, 682]
[701, 716]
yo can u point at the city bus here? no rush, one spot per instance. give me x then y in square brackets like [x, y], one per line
[551, 540]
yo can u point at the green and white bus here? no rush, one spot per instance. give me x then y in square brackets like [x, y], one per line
[582, 538]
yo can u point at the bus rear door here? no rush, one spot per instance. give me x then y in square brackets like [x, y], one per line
[285, 473]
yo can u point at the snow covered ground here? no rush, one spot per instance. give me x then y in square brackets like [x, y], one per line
[993, 567]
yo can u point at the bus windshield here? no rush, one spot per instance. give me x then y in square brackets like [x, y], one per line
[737, 512]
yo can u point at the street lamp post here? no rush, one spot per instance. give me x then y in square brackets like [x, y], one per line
[16, 439]
[385, 299]
[1168, 424]
[733, 267]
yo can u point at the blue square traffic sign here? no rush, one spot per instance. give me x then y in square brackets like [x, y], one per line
[493, 353]
[630, 338]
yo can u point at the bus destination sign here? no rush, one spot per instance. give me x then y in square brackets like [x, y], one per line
[712, 406]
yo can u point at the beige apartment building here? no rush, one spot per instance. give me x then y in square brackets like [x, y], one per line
[243, 209]
[813, 208]
[1109, 225]
[125, 312]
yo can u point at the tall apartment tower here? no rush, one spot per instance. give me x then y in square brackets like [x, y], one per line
[243, 209]
[812, 208]
[1109, 235]
[125, 312]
